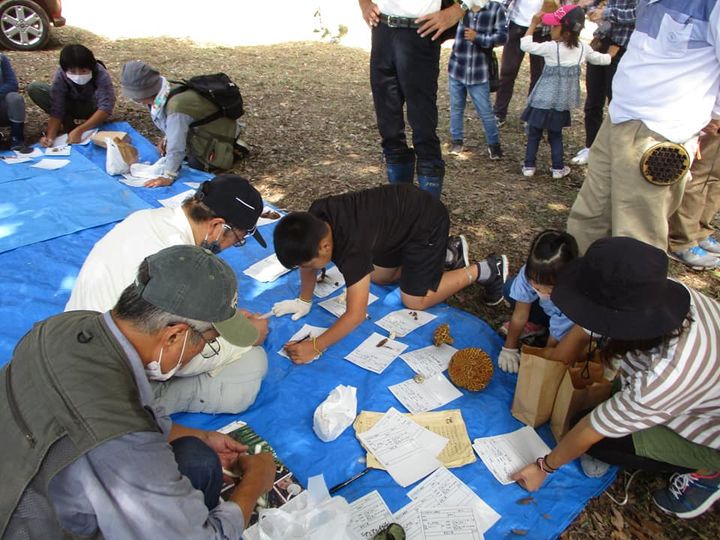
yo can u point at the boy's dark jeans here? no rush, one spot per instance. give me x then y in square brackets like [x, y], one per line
[512, 57]
[404, 69]
[556, 147]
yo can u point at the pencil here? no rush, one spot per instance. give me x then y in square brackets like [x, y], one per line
[352, 479]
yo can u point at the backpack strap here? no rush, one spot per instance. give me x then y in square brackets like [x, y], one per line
[183, 86]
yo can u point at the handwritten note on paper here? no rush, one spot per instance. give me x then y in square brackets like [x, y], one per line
[176, 200]
[51, 164]
[58, 150]
[404, 321]
[306, 330]
[332, 281]
[62, 140]
[408, 517]
[35, 153]
[425, 395]
[443, 489]
[14, 160]
[369, 516]
[455, 523]
[337, 304]
[429, 360]
[506, 454]
[406, 450]
[266, 270]
[376, 353]
[448, 424]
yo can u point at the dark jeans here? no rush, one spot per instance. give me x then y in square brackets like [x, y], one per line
[512, 57]
[404, 69]
[598, 83]
[556, 147]
[201, 465]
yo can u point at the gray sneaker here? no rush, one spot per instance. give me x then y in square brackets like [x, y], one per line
[458, 247]
[592, 467]
[696, 258]
[710, 245]
[495, 284]
[456, 148]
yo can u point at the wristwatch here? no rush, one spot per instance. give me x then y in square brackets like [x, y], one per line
[463, 5]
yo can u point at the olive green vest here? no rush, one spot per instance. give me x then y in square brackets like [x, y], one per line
[213, 143]
[69, 385]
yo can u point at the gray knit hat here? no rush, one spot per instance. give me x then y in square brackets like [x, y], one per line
[139, 80]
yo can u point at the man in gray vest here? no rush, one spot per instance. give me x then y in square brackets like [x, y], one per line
[84, 452]
[210, 145]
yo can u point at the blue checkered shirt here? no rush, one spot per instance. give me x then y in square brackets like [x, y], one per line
[468, 62]
[621, 16]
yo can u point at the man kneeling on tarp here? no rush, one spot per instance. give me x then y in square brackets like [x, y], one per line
[85, 453]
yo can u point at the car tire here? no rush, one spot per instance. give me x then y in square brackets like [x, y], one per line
[24, 25]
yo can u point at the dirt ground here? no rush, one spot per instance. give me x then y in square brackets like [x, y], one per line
[311, 125]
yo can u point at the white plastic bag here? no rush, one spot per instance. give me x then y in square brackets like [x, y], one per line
[114, 162]
[336, 413]
[313, 515]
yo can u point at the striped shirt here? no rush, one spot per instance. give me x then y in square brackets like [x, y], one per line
[676, 385]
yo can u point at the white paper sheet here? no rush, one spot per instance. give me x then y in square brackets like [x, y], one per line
[370, 515]
[443, 489]
[506, 454]
[51, 164]
[337, 306]
[455, 523]
[132, 181]
[429, 360]
[376, 353]
[14, 160]
[427, 395]
[176, 200]
[332, 282]
[36, 153]
[407, 450]
[266, 270]
[408, 517]
[193, 185]
[307, 329]
[58, 150]
[61, 140]
[266, 221]
[404, 321]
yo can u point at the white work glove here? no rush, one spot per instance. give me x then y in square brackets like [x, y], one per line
[509, 360]
[298, 307]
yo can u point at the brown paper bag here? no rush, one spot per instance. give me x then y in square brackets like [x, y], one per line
[128, 152]
[577, 394]
[100, 136]
[538, 381]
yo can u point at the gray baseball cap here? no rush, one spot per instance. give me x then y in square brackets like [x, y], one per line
[139, 80]
[191, 282]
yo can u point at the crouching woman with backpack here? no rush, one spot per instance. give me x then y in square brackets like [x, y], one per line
[194, 125]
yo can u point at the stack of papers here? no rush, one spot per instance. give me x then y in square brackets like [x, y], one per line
[404, 321]
[266, 270]
[429, 360]
[376, 353]
[425, 395]
[406, 450]
[506, 454]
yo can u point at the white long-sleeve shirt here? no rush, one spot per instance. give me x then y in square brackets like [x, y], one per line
[568, 57]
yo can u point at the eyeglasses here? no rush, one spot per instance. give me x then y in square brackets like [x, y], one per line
[213, 344]
[240, 241]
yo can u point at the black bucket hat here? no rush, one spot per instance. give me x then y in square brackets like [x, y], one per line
[620, 290]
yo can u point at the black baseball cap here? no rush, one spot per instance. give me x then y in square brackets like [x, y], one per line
[234, 199]
[191, 282]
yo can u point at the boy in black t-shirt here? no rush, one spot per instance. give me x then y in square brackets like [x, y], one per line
[386, 234]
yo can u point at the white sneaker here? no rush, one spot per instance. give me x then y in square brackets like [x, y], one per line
[557, 174]
[581, 158]
[528, 171]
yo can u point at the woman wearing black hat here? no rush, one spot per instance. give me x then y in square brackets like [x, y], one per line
[666, 339]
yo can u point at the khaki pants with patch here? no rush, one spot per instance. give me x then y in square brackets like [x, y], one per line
[701, 200]
[615, 199]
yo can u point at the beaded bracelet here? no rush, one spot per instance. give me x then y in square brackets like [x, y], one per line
[543, 464]
[318, 351]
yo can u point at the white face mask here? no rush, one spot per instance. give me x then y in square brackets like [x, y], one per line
[80, 79]
[154, 370]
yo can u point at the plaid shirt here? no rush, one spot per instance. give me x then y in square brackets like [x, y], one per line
[620, 14]
[468, 62]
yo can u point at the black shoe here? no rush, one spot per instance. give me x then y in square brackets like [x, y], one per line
[500, 121]
[458, 246]
[495, 284]
[495, 151]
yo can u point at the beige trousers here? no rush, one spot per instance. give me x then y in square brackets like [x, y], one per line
[615, 199]
[701, 200]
